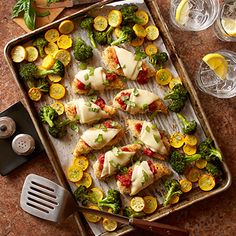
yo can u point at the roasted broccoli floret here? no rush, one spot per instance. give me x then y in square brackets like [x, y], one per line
[178, 161]
[58, 130]
[159, 59]
[208, 152]
[112, 201]
[129, 16]
[172, 188]
[48, 115]
[43, 85]
[130, 213]
[178, 97]
[189, 127]
[82, 195]
[127, 34]
[82, 51]
[57, 69]
[213, 169]
[87, 24]
[40, 43]
[29, 70]
[104, 37]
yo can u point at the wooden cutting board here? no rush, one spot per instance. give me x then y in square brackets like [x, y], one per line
[40, 21]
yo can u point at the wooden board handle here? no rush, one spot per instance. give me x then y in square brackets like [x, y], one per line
[160, 229]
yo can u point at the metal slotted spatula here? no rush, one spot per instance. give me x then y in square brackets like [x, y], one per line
[47, 200]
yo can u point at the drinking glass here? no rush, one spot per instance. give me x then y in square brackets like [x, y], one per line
[227, 14]
[210, 83]
[200, 15]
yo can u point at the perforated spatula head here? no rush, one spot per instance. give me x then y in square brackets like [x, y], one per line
[45, 199]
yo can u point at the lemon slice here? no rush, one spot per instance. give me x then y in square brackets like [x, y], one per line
[182, 12]
[229, 26]
[217, 63]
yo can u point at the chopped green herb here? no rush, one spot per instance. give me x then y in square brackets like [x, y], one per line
[113, 123]
[148, 129]
[93, 98]
[88, 104]
[124, 169]
[91, 92]
[145, 107]
[154, 126]
[105, 82]
[91, 71]
[138, 142]
[157, 139]
[123, 79]
[86, 77]
[116, 151]
[88, 86]
[74, 127]
[94, 109]
[139, 54]
[99, 138]
[135, 92]
[144, 178]
[153, 115]
[92, 157]
[77, 117]
[82, 66]
[103, 127]
[130, 103]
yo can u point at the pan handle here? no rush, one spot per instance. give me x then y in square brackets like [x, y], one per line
[161, 229]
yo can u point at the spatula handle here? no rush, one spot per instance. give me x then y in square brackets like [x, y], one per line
[160, 229]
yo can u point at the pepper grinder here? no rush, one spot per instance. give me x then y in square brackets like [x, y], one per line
[7, 127]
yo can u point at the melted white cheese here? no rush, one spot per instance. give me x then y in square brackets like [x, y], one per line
[152, 138]
[90, 137]
[127, 62]
[142, 177]
[86, 111]
[140, 100]
[112, 161]
[95, 81]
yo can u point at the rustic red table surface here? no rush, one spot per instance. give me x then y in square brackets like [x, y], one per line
[214, 216]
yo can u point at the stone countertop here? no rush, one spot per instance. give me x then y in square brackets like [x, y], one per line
[214, 216]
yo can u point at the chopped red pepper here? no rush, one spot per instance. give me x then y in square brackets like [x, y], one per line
[138, 127]
[142, 76]
[148, 152]
[121, 102]
[111, 76]
[125, 149]
[101, 159]
[152, 167]
[80, 85]
[107, 124]
[116, 60]
[125, 179]
[100, 102]
[152, 107]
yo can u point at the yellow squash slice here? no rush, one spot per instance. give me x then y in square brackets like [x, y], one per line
[57, 91]
[137, 204]
[74, 173]
[66, 27]
[85, 181]
[150, 204]
[52, 35]
[100, 23]
[114, 18]
[18, 54]
[91, 217]
[82, 162]
[32, 53]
